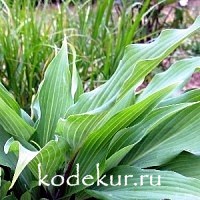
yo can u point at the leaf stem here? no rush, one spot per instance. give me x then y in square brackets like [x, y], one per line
[62, 189]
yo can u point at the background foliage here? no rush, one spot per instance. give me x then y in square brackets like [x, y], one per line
[99, 32]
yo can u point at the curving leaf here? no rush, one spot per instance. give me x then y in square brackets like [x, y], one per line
[10, 161]
[77, 86]
[168, 139]
[117, 157]
[6, 160]
[76, 128]
[54, 96]
[185, 163]
[9, 99]
[179, 71]
[130, 136]
[138, 61]
[172, 185]
[25, 156]
[96, 146]
[50, 158]
[188, 96]
[13, 123]
[26, 117]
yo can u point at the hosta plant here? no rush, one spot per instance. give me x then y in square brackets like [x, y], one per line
[114, 142]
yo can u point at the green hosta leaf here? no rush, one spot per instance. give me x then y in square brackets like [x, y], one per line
[96, 146]
[138, 61]
[13, 123]
[76, 128]
[35, 109]
[168, 139]
[134, 134]
[180, 71]
[50, 157]
[126, 101]
[150, 55]
[26, 118]
[188, 96]
[25, 156]
[186, 164]
[9, 99]
[54, 96]
[6, 160]
[117, 157]
[10, 160]
[77, 87]
[125, 139]
[172, 186]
